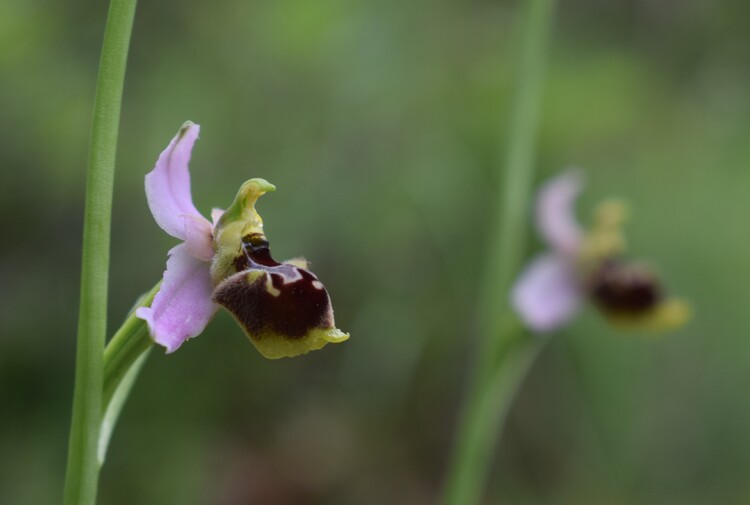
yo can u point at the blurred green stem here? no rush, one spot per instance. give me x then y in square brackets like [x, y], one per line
[505, 353]
[83, 468]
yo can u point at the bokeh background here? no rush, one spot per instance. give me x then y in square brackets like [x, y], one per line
[382, 123]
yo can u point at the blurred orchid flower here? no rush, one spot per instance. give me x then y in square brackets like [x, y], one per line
[588, 265]
[283, 308]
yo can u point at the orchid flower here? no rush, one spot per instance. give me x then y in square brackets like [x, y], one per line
[282, 307]
[588, 265]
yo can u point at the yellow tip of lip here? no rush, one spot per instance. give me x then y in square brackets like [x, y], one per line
[273, 346]
[669, 315]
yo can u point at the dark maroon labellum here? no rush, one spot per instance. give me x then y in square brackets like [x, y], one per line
[619, 286]
[268, 297]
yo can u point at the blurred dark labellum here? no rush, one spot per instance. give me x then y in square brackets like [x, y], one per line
[623, 287]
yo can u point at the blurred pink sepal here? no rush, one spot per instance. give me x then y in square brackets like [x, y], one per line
[282, 307]
[589, 265]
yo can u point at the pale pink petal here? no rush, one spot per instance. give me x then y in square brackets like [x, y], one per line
[168, 184]
[216, 214]
[555, 212]
[547, 294]
[182, 308]
[199, 237]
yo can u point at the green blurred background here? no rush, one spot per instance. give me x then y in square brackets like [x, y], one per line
[382, 124]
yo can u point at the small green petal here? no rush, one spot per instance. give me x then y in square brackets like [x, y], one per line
[239, 220]
[605, 239]
[299, 262]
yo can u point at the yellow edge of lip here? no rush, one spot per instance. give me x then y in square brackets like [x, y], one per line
[669, 315]
[275, 346]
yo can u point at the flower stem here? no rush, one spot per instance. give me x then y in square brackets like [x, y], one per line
[125, 347]
[83, 469]
[505, 353]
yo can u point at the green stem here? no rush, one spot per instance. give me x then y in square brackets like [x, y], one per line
[123, 359]
[83, 469]
[130, 341]
[504, 354]
[484, 415]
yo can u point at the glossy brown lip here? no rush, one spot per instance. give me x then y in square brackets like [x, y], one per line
[283, 299]
[624, 287]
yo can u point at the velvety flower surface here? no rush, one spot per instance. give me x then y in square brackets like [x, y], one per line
[283, 308]
[588, 266]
